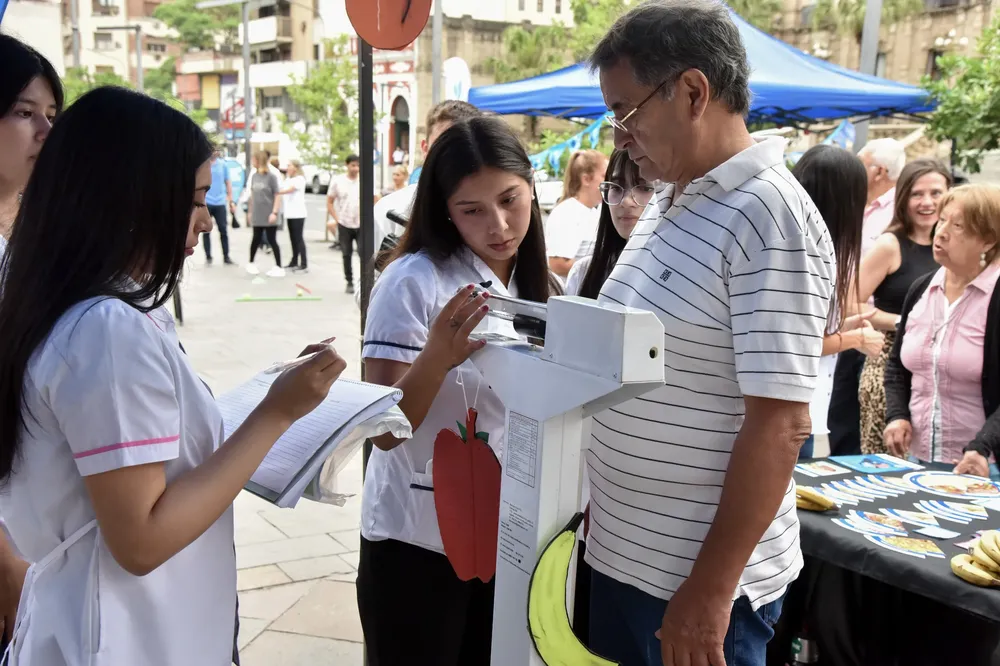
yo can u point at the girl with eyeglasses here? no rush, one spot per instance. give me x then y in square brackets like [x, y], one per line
[624, 194]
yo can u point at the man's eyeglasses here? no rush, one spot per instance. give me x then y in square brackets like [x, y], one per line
[613, 193]
[620, 124]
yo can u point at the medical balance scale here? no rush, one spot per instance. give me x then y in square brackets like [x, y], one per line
[553, 366]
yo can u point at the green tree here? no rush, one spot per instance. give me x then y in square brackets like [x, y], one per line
[591, 20]
[78, 81]
[968, 98]
[200, 28]
[759, 13]
[530, 52]
[847, 17]
[327, 98]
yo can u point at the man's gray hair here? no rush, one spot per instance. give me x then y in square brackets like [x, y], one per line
[889, 154]
[661, 39]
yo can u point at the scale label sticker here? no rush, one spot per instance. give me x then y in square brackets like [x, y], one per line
[517, 531]
[522, 448]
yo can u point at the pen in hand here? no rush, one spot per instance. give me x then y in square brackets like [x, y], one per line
[296, 362]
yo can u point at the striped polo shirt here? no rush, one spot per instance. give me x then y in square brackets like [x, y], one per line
[739, 269]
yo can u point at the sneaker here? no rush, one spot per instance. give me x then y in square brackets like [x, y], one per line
[208, 260]
[301, 269]
[252, 269]
[291, 267]
[350, 288]
[276, 272]
[227, 261]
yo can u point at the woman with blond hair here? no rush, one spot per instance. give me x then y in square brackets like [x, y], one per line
[571, 230]
[942, 381]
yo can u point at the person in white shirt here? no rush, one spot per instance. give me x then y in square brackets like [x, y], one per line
[475, 215]
[293, 199]
[111, 447]
[571, 229]
[31, 96]
[836, 182]
[694, 535]
[343, 205]
[625, 194]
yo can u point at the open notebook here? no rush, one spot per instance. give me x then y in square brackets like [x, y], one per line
[300, 453]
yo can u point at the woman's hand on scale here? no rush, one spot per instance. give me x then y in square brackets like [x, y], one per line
[300, 389]
[448, 345]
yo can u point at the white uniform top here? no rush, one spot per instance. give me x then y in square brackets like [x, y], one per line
[571, 230]
[398, 498]
[111, 388]
[400, 201]
[574, 281]
[294, 203]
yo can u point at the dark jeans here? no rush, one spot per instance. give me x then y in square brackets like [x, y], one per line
[220, 216]
[348, 237]
[807, 447]
[624, 620]
[271, 233]
[844, 417]
[295, 226]
[415, 611]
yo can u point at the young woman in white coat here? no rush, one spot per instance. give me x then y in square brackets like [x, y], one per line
[118, 484]
[474, 217]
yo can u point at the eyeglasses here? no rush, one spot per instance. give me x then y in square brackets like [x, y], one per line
[620, 124]
[614, 194]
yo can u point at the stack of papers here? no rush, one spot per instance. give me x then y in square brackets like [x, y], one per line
[300, 453]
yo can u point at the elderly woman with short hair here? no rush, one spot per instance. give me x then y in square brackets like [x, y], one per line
[942, 381]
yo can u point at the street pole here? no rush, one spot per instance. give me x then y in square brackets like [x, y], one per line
[74, 14]
[869, 59]
[247, 91]
[140, 82]
[437, 27]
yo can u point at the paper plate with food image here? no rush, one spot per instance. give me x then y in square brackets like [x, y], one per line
[948, 484]
[888, 523]
[906, 545]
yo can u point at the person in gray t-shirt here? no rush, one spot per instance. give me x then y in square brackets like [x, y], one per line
[265, 202]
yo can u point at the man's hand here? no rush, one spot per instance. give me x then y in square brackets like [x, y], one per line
[897, 437]
[694, 627]
[973, 463]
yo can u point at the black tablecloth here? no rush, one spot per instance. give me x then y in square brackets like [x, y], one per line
[930, 577]
[864, 605]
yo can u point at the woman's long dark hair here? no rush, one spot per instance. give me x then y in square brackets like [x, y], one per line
[901, 223]
[117, 228]
[837, 182]
[463, 149]
[609, 245]
[22, 65]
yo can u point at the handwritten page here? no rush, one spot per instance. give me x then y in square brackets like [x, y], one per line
[299, 454]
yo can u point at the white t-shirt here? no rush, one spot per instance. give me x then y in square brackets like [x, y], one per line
[576, 274]
[111, 388]
[819, 406]
[3, 247]
[294, 203]
[400, 201]
[738, 270]
[571, 230]
[398, 498]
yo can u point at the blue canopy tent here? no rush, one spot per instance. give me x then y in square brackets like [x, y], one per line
[789, 87]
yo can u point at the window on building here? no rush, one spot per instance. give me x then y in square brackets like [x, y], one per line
[541, 5]
[155, 47]
[932, 66]
[880, 63]
[520, 5]
[315, 51]
[103, 41]
[558, 6]
[104, 7]
[272, 101]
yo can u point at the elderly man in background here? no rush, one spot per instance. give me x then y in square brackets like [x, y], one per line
[694, 536]
[884, 159]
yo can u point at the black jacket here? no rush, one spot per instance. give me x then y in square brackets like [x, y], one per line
[897, 377]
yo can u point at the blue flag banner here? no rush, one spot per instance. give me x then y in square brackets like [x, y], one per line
[3, 9]
[553, 154]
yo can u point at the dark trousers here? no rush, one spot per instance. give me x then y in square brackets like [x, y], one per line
[415, 611]
[259, 234]
[295, 227]
[844, 417]
[218, 213]
[348, 238]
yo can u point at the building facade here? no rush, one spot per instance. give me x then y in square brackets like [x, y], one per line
[38, 23]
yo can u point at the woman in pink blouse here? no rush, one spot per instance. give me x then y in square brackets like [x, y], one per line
[942, 381]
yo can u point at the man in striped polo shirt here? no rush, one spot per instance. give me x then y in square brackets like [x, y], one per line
[692, 501]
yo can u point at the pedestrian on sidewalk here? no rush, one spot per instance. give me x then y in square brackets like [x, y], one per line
[294, 193]
[111, 446]
[219, 200]
[343, 202]
[265, 203]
